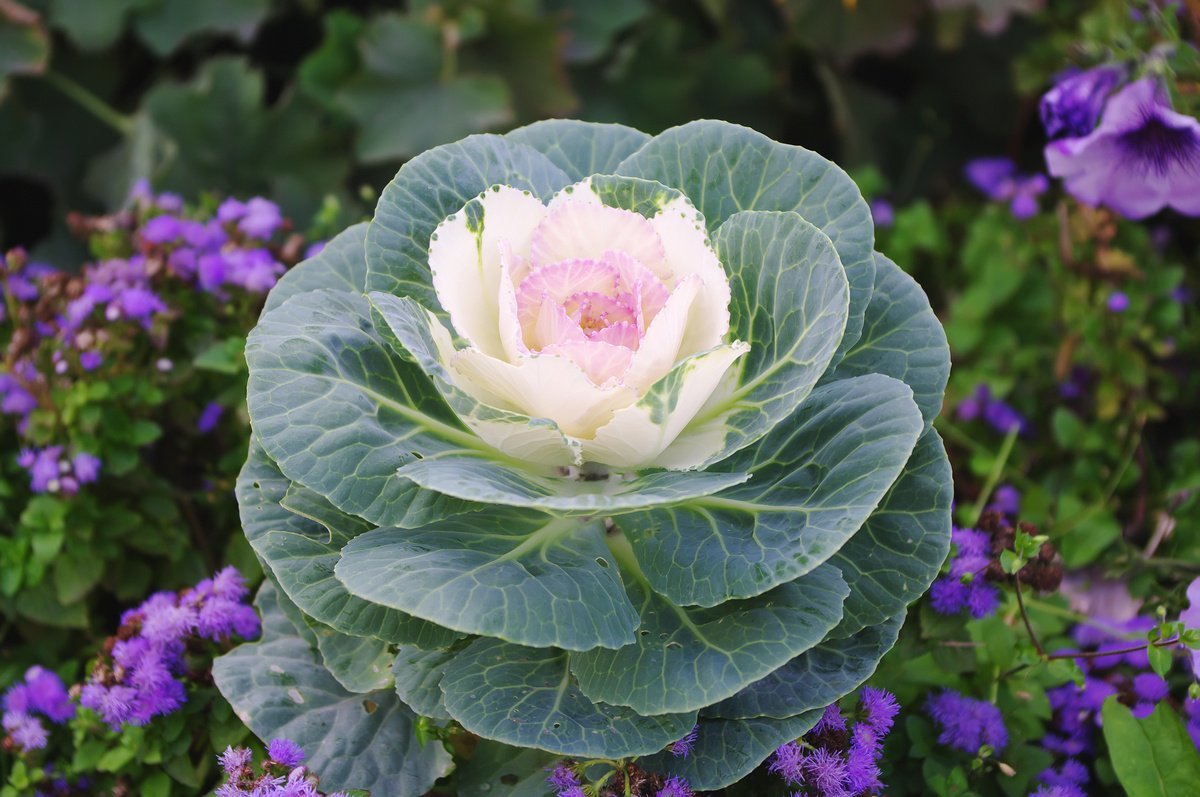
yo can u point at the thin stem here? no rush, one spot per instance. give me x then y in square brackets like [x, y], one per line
[1095, 654]
[90, 102]
[1037, 643]
[949, 430]
[997, 471]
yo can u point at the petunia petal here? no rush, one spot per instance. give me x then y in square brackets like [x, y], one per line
[638, 434]
[681, 229]
[579, 227]
[464, 257]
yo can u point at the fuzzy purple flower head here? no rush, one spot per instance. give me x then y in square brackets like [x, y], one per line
[967, 724]
[998, 179]
[1143, 156]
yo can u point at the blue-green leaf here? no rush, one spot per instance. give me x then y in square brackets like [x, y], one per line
[898, 552]
[434, 185]
[526, 697]
[278, 687]
[901, 338]
[498, 770]
[814, 481]
[816, 678]
[341, 265]
[418, 674]
[360, 664]
[580, 148]
[724, 168]
[524, 577]
[685, 659]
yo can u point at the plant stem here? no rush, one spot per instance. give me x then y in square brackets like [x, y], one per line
[90, 102]
[1037, 643]
[993, 478]
[949, 430]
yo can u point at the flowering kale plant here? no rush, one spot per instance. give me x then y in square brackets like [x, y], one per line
[588, 440]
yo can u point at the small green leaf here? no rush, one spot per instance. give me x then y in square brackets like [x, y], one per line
[1160, 659]
[1154, 756]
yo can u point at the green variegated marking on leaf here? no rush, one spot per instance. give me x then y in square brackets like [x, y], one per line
[279, 688]
[434, 185]
[902, 338]
[814, 481]
[728, 750]
[341, 265]
[646, 197]
[418, 675]
[338, 411]
[360, 664]
[521, 576]
[417, 333]
[580, 148]
[687, 658]
[526, 697]
[815, 679]
[789, 302]
[898, 552]
[301, 550]
[725, 168]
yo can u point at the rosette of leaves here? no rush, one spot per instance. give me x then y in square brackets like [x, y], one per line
[452, 533]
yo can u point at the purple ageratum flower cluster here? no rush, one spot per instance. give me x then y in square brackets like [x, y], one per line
[1140, 158]
[834, 761]
[51, 471]
[565, 782]
[998, 180]
[675, 787]
[966, 724]
[41, 694]
[281, 775]
[997, 413]
[683, 747]
[965, 587]
[1006, 500]
[140, 678]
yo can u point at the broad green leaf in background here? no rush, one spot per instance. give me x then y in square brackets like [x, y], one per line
[816, 678]
[526, 697]
[280, 689]
[1154, 756]
[360, 664]
[728, 750]
[24, 45]
[431, 187]
[580, 149]
[814, 481]
[418, 674]
[340, 265]
[898, 552]
[164, 24]
[591, 26]
[901, 338]
[685, 659]
[94, 24]
[725, 168]
[521, 576]
[498, 770]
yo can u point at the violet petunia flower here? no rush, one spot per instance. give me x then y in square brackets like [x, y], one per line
[1143, 156]
[1190, 617]
[998, 179]
[1073, 106]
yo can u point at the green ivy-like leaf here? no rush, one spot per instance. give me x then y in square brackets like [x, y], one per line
[526, 697]
[340, 265]
[164, 25]
[278, 687]
[580, 148]
[1154, 756]
[816, 678]
[686, 659]
[898, 552]
[814, 481]
[725, 168]
[520, 576]
[434, 185]
[901, 338]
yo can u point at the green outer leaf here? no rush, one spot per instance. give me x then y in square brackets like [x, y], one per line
[898, 552]
[580, 148]
[789, 302]
[814, 481]
[1153, 757]
[728, 750]
[418, 675]
[526, 697]
[278, 687]
[686, 659]
[165, 25]
[524, 577]
[359, 664]
[816, 678]
[498, 770]
[301, 553]
[645, 197]
[901, 338]
[339, 412]
[724, 168]
[429, 188]
[341, 265]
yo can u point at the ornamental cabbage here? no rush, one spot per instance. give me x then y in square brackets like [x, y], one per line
[587, 440]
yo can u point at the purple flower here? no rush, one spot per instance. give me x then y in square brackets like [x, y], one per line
[262, 218]
[882, 212]
[90, 360]
[1072, 108]
[831, 721]
[162, 229]
[313, 249]
[1006, 500]
[675, 787]
[1117, 302]
[45, 469]
[825, 771]
[26, 731]
[564, 781]
[880, 707]
[862, 768]
[998, 414]
[86, 467]
[1061, 790]
[1150, 687]
[233, 761]
[1142, 157]
[230, 210]
[964, 587]
[788, 763]
[997, 178]
[139, 304]
[285, 752]
[1190, 617]
[47, 695]
[684, 746]
[209, 417]
[967, 724]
